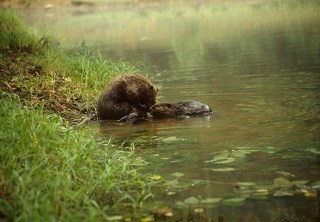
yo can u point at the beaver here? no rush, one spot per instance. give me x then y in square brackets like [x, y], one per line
[127, 98]
[182, 109]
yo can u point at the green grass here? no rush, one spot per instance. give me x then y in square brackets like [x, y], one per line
[42, 74]
[48, 170]
[14, 33]
[51, 172]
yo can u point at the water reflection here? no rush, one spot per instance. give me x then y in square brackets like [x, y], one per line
[152, 127]
[258, 67]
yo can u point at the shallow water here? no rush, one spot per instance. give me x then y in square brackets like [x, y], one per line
[257, 66]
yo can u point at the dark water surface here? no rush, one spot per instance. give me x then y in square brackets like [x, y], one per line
[257, 158]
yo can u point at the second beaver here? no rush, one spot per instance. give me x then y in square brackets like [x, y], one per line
[185, 108]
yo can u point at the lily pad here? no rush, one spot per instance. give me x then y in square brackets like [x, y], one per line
[217, 158]
[226, 169]
[237, 201]
[163, 211]
[260, 194]
[224, 154]
[314, 151]
[156, 177]
[177, 174]
[114, 218]
[262, 191]
[281, 193]
[316, 185]
[199, 210]
[243, 147]
[171, 193]
[191, 201]
[169, 139]
[147, 219]
[180, 205]
[210, 200]
[228, 160]
[299, 183]
[282, 182]
[172, 183]
[246, 184]
[285, 173]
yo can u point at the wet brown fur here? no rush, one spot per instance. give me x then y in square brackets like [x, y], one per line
[181, 109]
[127, 94]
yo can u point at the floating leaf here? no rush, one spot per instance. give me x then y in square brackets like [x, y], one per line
[164, 211]
[170, 193]
[270, 147]
[172, 183]
[281, 193]
[285, 173]
[169, 139]
[177, 174]
[246, 184]
[114, 218]
[262, 191]
[281, 182]
[314, 151]
[197, 182]
[199, 210]
[238, 201]
[316, 185]
[299, 183]
[156, 177]
[309, 193]
[243, 147]
[147, 219]
[210, 200]
[223, 169]
[228, 160]
[191, 201]
[260, 194]
[180, 205]
[217, 158]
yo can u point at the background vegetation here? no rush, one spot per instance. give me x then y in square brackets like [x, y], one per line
[44, 75]
[49, 170]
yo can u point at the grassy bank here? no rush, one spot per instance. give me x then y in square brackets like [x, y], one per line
[48, 170]
[42, 74]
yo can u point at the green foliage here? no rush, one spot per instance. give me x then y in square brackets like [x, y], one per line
[43, 74]
[14, 33]
[93, 71]
[48, 171]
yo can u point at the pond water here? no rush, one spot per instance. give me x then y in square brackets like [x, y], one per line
[257, 158]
